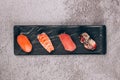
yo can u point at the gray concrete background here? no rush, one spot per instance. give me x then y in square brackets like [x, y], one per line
[69, 67]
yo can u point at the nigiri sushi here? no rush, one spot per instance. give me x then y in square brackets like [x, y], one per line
[67, 42]
[89, 43]
[24, 43]
[45, 42]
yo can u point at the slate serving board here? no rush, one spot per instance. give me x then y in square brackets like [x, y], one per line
[98, 33]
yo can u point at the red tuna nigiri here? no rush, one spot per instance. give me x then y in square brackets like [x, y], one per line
[67, 42]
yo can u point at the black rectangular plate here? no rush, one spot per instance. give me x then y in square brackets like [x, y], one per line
[98, 33]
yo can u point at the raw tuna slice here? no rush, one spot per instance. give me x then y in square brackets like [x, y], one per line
[45, 42]
[67, 42]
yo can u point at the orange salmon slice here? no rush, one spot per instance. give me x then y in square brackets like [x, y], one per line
[24, 43]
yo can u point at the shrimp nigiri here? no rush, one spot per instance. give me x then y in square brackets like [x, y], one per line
[45, 42]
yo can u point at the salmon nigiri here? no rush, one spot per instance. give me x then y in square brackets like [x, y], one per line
[67, 42]
[24, 43]
[45, 42]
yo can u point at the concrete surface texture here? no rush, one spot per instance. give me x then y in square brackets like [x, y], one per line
[69, 67]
